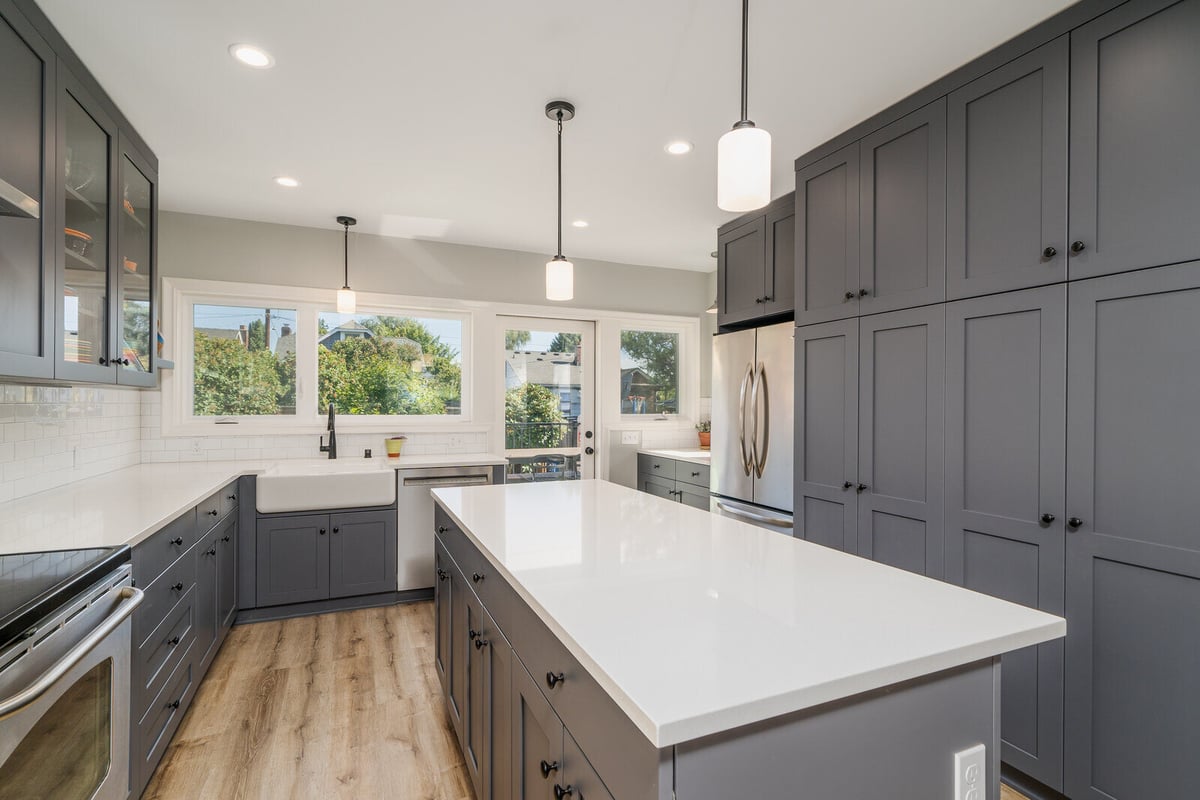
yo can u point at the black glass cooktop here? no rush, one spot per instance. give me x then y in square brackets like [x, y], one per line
[32, 585]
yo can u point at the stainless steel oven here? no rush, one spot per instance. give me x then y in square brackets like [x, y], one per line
[64, 699]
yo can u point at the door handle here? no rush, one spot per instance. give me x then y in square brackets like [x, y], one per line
[589, 450]
[746, 379]
[760, 382]
[778, 522]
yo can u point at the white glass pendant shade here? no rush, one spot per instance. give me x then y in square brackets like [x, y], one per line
[560, 279]
[347, 303]
[744, 169]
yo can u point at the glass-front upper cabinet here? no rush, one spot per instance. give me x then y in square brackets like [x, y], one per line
[135, 269]
[87, 146]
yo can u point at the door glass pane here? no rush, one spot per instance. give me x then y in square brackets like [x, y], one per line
[136, 197]
[244, 361]
[544, 399]
[85, 235]
[66, 755]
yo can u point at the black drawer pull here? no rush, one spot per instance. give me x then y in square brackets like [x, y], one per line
[174, 640]
[862, 487]
[548, 767]
[847, 485]
[442, 574]
[560, 792]
[554, 679]
[442, 529]
[178, 587]
[174, 704]
[481, 643]
[225, 538]
[1050, 252]
[863, 292]
[232, 497]
[212, 513]
[472, 634]
[1047, 519]
[1077, 247]
[695, 474]
[849, 295]
[476, 577]
[212, 551]
[177, 541]
[1074, 523]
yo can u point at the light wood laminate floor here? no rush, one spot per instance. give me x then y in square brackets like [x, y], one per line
[344, 705]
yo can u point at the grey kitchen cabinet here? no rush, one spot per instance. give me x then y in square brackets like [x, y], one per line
[362, 553]
[537, 741]
[694, 496]
[1133, 547]
[869, 463]
[1135, 178]
[741, 252]
[205, 553]
[292, 559]
[443, 592]
[135, 304]
[826, 238]
[1006, 183]
[486, 720]
[28, 223]
[659, 487]
[826, 419]
[902, 179]
[227, 567]
[755, 264]
[578, 774]
[672, 479]
[900, 441]
[1006, 389]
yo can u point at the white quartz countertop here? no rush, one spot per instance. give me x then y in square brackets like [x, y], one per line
[691, 455]
[127, 505]
[696, 623]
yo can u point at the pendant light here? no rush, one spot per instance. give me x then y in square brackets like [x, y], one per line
[744, 153]
[560, 273]
[347, 303]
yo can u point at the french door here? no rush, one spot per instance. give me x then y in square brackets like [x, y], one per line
[548, 395]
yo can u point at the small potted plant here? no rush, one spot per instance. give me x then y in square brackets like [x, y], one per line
[393, 445]
[704, 427]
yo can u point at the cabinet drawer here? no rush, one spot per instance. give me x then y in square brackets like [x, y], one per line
[161, 596]
[695, 474]
[228, 499]
[163, 650]
[158, 552]
[158, 724]
[656, 466]
[209, 511]
[491, 589]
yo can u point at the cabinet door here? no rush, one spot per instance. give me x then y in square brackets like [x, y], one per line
[903, 230]
[1135, 177]
[1006, 212]
[659, 487]
[443, 591]
[1133, 561]
[779, 296]
[456, 695]
[741, 259]
[585, 783]
[495, 660]
[1006, 468]
[227, 547]
[827, 230]
[475, 710]
[826, 469]
[362, 553]
[292, 559]
[87, 147]
[537, 740]
[136, 331]
[900, 458]
[692, 496]
[28, 228]
[205, 554]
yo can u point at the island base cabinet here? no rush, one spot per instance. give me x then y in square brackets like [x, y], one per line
[581, 778]
[442, 603]
[537, 741]
[897, 742]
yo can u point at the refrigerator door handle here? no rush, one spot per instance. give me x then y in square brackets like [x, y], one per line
[760, 384]
[779, 522]
[747, 458]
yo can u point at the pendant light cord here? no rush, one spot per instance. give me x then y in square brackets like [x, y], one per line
[559, 254]
[346, 256]
[745, 59]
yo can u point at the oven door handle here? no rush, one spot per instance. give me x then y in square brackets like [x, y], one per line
[131, 599]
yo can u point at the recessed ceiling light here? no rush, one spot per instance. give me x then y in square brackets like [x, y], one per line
[284, 180]
[679, 148]
[251, 56]
[580, 223]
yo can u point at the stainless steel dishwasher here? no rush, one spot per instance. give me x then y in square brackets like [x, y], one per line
[414, 505]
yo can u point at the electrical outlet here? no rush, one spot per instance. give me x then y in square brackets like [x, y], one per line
[970, 773]
[455, 440]
[631, 437]
[196, 447]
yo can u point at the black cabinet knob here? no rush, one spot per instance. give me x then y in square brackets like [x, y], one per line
[1074, 523]
[656, 466]
[102, 361]
[225, 538]
[472, 634]
[1049, 252]
[212, 513]
[174, 704]
[695, 474]
[560, 792]
[442, 529]
[476, 577]
[758, 299]
[178, 540]
[863, 292]
[174, 640]
[231, 497]
[1047, 519]
[442, 574]
[212, 551]
[848, 485]
[554, 679]
[768, 299]
[321, 531]
[481, 643]
[337, 529]
[862, 487]
[548, 767]
[849, 295]
[1077, 247]
[178, 587]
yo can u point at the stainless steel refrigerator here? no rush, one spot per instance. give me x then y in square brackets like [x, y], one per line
[752, 429]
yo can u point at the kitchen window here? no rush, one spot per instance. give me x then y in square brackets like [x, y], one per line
[244, 361]
[649, 382]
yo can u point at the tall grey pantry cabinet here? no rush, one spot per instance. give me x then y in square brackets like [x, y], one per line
[1070, 335]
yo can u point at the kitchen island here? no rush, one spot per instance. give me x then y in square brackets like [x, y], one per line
[594, 641]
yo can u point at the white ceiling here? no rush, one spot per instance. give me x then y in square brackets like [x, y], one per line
[426, 119]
